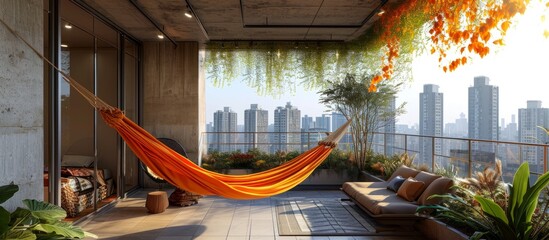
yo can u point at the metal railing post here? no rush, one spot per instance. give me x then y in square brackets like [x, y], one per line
[433, 154]
[406, 143]
[470, 168]
[385, 144]
[545, 159]
[520, 154]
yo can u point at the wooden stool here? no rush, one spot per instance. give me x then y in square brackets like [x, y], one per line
[157, 201]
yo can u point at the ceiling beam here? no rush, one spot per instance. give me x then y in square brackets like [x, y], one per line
[198, 21]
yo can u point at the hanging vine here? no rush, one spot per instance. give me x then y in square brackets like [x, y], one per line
[454, 30]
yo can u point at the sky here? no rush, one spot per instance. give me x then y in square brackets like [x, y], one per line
[520, 69]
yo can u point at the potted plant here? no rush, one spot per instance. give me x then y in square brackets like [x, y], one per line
[508, 217]
[39, 220]
[369, 110]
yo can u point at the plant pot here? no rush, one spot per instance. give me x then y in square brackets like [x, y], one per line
[327, 177]
[369, 177]
[237, 171]
[434, 229]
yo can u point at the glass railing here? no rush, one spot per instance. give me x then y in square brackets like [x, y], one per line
[462, 156]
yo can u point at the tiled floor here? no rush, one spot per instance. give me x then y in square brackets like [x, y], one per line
[212, 218]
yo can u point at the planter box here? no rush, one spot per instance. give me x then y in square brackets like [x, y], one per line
[327, 177]
[368, 177]
[434, 229]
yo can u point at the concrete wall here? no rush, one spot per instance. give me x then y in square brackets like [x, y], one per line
[173, 93]
[21, 100]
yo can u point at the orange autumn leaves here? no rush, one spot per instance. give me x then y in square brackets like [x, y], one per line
[457, 29]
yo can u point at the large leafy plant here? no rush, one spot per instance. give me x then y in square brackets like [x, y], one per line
[494, 222]
[369, 111]
[39, 220]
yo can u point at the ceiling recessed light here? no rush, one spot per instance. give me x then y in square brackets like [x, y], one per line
[188, 14]
[160, 36]
[68, 26]
[64, 45]
[381, 12]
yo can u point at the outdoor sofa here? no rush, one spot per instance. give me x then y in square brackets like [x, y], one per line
[390, 206]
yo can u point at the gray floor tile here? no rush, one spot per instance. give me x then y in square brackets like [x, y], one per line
[212, 218]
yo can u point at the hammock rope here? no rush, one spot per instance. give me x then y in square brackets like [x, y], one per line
[184, 173]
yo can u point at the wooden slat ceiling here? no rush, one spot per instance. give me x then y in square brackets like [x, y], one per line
[218, 20]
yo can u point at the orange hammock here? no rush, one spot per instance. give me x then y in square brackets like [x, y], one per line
[185, 174]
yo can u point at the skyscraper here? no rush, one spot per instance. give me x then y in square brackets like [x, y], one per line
[430, 122]
[323, 122]
[385, 143]
[510, 132]
[256, 122]
[307, 123]
[225, 128]
[287, 128]
[338, 119]
[483, 113]
[530, 118]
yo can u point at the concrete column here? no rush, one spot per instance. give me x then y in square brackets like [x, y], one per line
[173, 93]
[21, 100]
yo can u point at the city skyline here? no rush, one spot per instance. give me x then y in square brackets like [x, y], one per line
[515, 71]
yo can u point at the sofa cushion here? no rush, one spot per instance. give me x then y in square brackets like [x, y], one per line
[352, 188]
[438, 186]
[383, 201]
[426, 178]
[404, 172]
[410, 189]
[395, 183]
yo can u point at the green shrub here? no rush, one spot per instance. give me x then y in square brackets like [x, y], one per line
[40, 220]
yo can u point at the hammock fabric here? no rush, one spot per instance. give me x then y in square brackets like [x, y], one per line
[184, 174]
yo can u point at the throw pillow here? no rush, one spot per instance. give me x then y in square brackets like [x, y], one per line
[439, 186]
[426, 178]
[395, 183]
[410, 189]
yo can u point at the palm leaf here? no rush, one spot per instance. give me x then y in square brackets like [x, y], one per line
[45, 211]
[7, 191]
[61, 228]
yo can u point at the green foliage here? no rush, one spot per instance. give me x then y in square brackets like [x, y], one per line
[39, 220]
[369, 111]
[387, 165]
[7, 191]
[494, 222]
[260, 161]
[278, 66]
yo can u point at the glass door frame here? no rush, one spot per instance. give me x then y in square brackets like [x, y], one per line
[53, 88]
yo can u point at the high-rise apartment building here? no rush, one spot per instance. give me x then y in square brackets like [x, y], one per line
[530, 119]
[385, 143]
[430, 123]
[483, 113]
[307, 123]
[225, 130]
[287, 128]
[323, 122]
[338, 119]
[256, 122]
[457, 129]
[509, 132]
